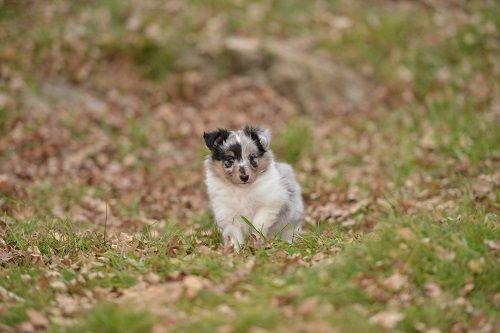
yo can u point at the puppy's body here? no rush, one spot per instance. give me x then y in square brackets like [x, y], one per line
[252, 185]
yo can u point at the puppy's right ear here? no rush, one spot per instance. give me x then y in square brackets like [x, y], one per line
[215, 138]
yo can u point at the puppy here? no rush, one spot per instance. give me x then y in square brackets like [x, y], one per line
[243, 179]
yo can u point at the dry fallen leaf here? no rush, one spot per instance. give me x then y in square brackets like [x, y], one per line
[476, 265]
[482, 187]
[492, 245]
[387, 319]
[395, 282]
[67, 304]
[58, 286]
[433, 330]
[25, 278]
[5, 256]
[153, 296]
[25, 327]
[236, 277]
[9, 184]
[152, 278]
[37, 319]
[406, 233]
[205, 250]
[6, 295]
[433, 290]
[316, 326]
[193, 284]
[308, 306]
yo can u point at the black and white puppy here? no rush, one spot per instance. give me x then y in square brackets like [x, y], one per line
[243, 179]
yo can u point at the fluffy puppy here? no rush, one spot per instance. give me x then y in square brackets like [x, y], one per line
[243, 179]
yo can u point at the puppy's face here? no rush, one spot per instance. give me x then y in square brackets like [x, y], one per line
[239, 156]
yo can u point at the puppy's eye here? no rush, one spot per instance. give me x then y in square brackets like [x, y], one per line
[253, 161]
[228, 163]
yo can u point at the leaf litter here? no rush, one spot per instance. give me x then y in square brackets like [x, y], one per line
[101, 146]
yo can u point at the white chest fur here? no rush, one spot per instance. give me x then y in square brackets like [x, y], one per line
[258, 201]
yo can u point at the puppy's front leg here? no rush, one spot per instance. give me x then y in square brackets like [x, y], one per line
[264, 219]
[232, 234]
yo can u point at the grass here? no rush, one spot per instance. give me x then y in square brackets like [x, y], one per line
[418, 158]
[377, 255]
[295, 140]
[114, 319]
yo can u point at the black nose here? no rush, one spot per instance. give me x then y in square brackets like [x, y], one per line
[244, 178]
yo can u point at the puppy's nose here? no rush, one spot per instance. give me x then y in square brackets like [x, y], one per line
[244, 178]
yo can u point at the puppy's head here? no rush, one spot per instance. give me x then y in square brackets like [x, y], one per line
[239, 156]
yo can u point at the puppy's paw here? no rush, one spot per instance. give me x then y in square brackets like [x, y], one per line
[233, 237]
[232, 243]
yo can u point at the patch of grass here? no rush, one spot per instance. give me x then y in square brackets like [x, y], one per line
[385, 251]
[3, 121]
[207, 325]
[158, 60]
[52, 237]
[466, 135]
[294, 141]
[264, 317]
[450, 253]
[110, 318]
[11, 11]
[36, 298]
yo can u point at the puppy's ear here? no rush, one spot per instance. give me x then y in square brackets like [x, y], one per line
[261, 137]
[215, 138]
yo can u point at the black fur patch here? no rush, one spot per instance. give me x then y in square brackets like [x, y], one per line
[236, 150]
[252, 132]
[214, 140]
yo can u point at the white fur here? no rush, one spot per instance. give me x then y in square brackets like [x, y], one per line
[261, 202]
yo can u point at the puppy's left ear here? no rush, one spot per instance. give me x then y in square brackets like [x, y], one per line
[261, 137]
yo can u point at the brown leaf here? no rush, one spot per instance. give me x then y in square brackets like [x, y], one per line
[193, 284]
[152, 278]
[153, 296]
[67, 304]
[25, 278]
[10, 185]
[308, 306]
[6, 295]
[433, 330]
[204, 249]
[467, 289]
[492, 245]
[406, 233]
[395, 282]
[37, 319]
[25, 327]
[387, 319]
[372, 288]
[236, 277]
[476, 265]
[483, 186]
[58, 285]
[433, 290]
[5, 256]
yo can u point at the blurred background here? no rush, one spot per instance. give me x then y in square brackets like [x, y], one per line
[388, 111]
[107, 100]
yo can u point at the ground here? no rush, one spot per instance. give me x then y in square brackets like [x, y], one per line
[387, 110]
